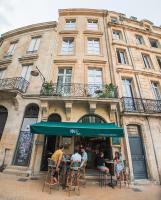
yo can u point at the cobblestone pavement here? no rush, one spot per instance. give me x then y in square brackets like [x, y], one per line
[13, 189]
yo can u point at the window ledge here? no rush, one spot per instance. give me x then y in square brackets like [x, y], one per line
[5, 62]
[68, 32]
[28, 58]
[94, 32]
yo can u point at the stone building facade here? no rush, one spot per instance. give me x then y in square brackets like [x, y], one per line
[83, 55]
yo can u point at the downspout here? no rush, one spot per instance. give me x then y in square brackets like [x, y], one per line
[109, 54]
[140, 94]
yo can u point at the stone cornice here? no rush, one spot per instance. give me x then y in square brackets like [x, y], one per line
[82, 11]
[139, 47]
[28, 58]
[139, 72]
[65, 61]
[30, 28]
[141, 29]
[94, 61]
[89, 32]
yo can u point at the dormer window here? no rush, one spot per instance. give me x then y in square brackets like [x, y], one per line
[70, 24]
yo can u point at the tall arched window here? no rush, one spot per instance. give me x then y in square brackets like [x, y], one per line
[3, 119]
[91, 119]
[24, 144]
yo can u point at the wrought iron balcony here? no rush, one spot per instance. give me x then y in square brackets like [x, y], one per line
[16, 83]
[141, 105]
[79, 90]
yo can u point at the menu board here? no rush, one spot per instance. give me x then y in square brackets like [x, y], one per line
[24, 147]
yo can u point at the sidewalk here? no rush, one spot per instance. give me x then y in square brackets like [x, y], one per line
[13, 189]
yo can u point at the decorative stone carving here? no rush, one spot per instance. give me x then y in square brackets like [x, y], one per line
[92, 107]
[113, 108]
[68, 110]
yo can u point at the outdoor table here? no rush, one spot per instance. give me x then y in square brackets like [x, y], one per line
[111, 163]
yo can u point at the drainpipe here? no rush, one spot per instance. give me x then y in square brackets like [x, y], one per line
[140, 94]
[108, 48]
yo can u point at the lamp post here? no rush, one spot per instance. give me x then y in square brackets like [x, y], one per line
[36, 72]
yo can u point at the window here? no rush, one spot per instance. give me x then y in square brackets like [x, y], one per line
[127, 88]
[64, 81]
[154, 43]
[67, 46]
[94, 80]
[92, 24]
[2, 72]
[34, 45]
[114, 20]
[26, 71]
[11, 49]
[159, 62]
[129, 103]
[156, 91]
[70, 24]
[121, 56]
[93, 46]
[117, 35]
[147, 61]
[139, 40]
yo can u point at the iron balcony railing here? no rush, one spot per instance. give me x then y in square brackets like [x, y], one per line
[78, 90]
[141, 105]
[16, 83]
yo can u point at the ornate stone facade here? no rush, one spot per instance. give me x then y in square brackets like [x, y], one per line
[82, 55]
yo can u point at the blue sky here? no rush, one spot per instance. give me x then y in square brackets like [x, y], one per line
[17, 13]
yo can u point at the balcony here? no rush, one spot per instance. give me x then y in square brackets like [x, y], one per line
[12, 84]
[141, 105]
[79, 90]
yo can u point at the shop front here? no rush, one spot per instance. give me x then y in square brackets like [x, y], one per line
[94, 136]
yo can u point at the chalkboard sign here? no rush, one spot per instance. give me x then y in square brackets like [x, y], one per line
[116, 140]
[23, 150]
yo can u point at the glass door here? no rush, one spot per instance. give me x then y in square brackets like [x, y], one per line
[64, 82]
[128, 95]
[94, 81]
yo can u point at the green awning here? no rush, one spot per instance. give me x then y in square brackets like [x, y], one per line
[77, 129]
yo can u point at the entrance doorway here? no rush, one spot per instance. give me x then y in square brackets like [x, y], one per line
[137, 152]
[49, 143]
[94, 144]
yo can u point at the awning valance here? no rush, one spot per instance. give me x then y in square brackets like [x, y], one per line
[77, 129]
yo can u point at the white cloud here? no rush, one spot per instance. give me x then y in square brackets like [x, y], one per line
[17, 13]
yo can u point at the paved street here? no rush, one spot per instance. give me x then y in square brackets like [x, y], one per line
[11, 188]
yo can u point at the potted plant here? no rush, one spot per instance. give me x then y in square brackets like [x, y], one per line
[48, 88]
[108, 91]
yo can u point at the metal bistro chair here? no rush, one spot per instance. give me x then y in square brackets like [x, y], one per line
[83, 173]
[49, 177]
[73, 180]
[124, 176]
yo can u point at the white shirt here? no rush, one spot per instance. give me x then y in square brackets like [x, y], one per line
[76, 157]
[84, 156]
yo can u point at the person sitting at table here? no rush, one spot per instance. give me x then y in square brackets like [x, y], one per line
[57, 158]
[75, 159]
[101, 163]
[84, 157]
[119, 165]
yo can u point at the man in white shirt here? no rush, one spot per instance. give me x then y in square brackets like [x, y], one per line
[76, 159]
